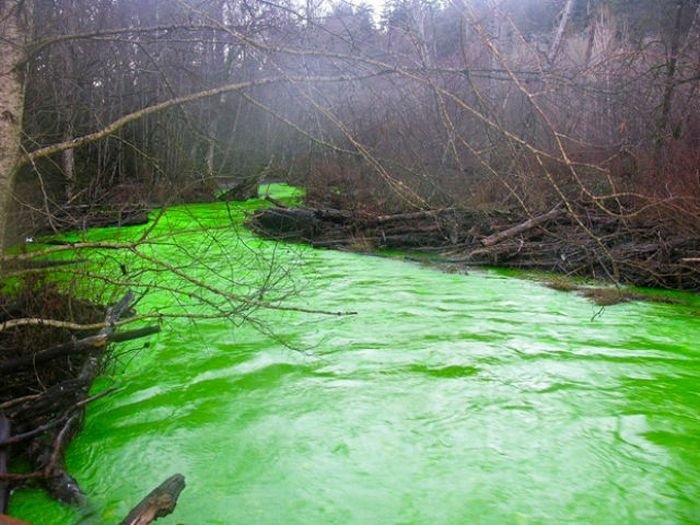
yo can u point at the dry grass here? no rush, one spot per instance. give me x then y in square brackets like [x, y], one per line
[605, 296]
[561, 284]
[361, 244]
[610, 296]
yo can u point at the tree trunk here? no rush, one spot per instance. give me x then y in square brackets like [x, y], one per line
[591, 42]
[669, 86]
[14, 30]
[559, 34]
[68, 108]
[68, 161]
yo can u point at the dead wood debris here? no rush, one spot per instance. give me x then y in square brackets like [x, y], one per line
[45, 386]
[639, 252]
[72, 218]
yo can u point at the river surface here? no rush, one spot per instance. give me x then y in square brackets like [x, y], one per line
[448, 398]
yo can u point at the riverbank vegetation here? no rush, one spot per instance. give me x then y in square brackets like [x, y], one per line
[560, 135]
[512, 107]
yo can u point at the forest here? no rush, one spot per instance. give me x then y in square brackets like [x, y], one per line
[115, 107]
[556, 135]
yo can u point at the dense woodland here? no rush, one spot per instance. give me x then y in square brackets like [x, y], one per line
[484, 103]
[552, 134]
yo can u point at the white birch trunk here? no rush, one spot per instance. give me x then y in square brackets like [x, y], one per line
[559, 34]
[14, 29]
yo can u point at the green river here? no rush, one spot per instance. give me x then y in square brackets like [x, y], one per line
[485, 398]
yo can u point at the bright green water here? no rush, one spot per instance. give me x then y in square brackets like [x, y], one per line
[447, 399]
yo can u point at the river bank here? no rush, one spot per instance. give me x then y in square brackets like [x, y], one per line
[57, 339]
[48, 371]
[584, 243]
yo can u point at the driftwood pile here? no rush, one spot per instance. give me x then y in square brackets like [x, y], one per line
[45, 388]
[583, 243]
[433, 229]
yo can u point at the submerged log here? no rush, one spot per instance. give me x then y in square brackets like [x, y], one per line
[159, 502]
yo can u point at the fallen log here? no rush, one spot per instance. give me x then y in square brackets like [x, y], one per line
[159, 502]
[87, 343]
[47, 451]
[333, 215]
[428, 214]
[425, 229]
[61, 485]
[522, 227]
[286, 222]
[244, 189]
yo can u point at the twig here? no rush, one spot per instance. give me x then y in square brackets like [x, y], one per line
[84, 402]
[18, 401]
[59, 444]
[22, 477]
[18, 438]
